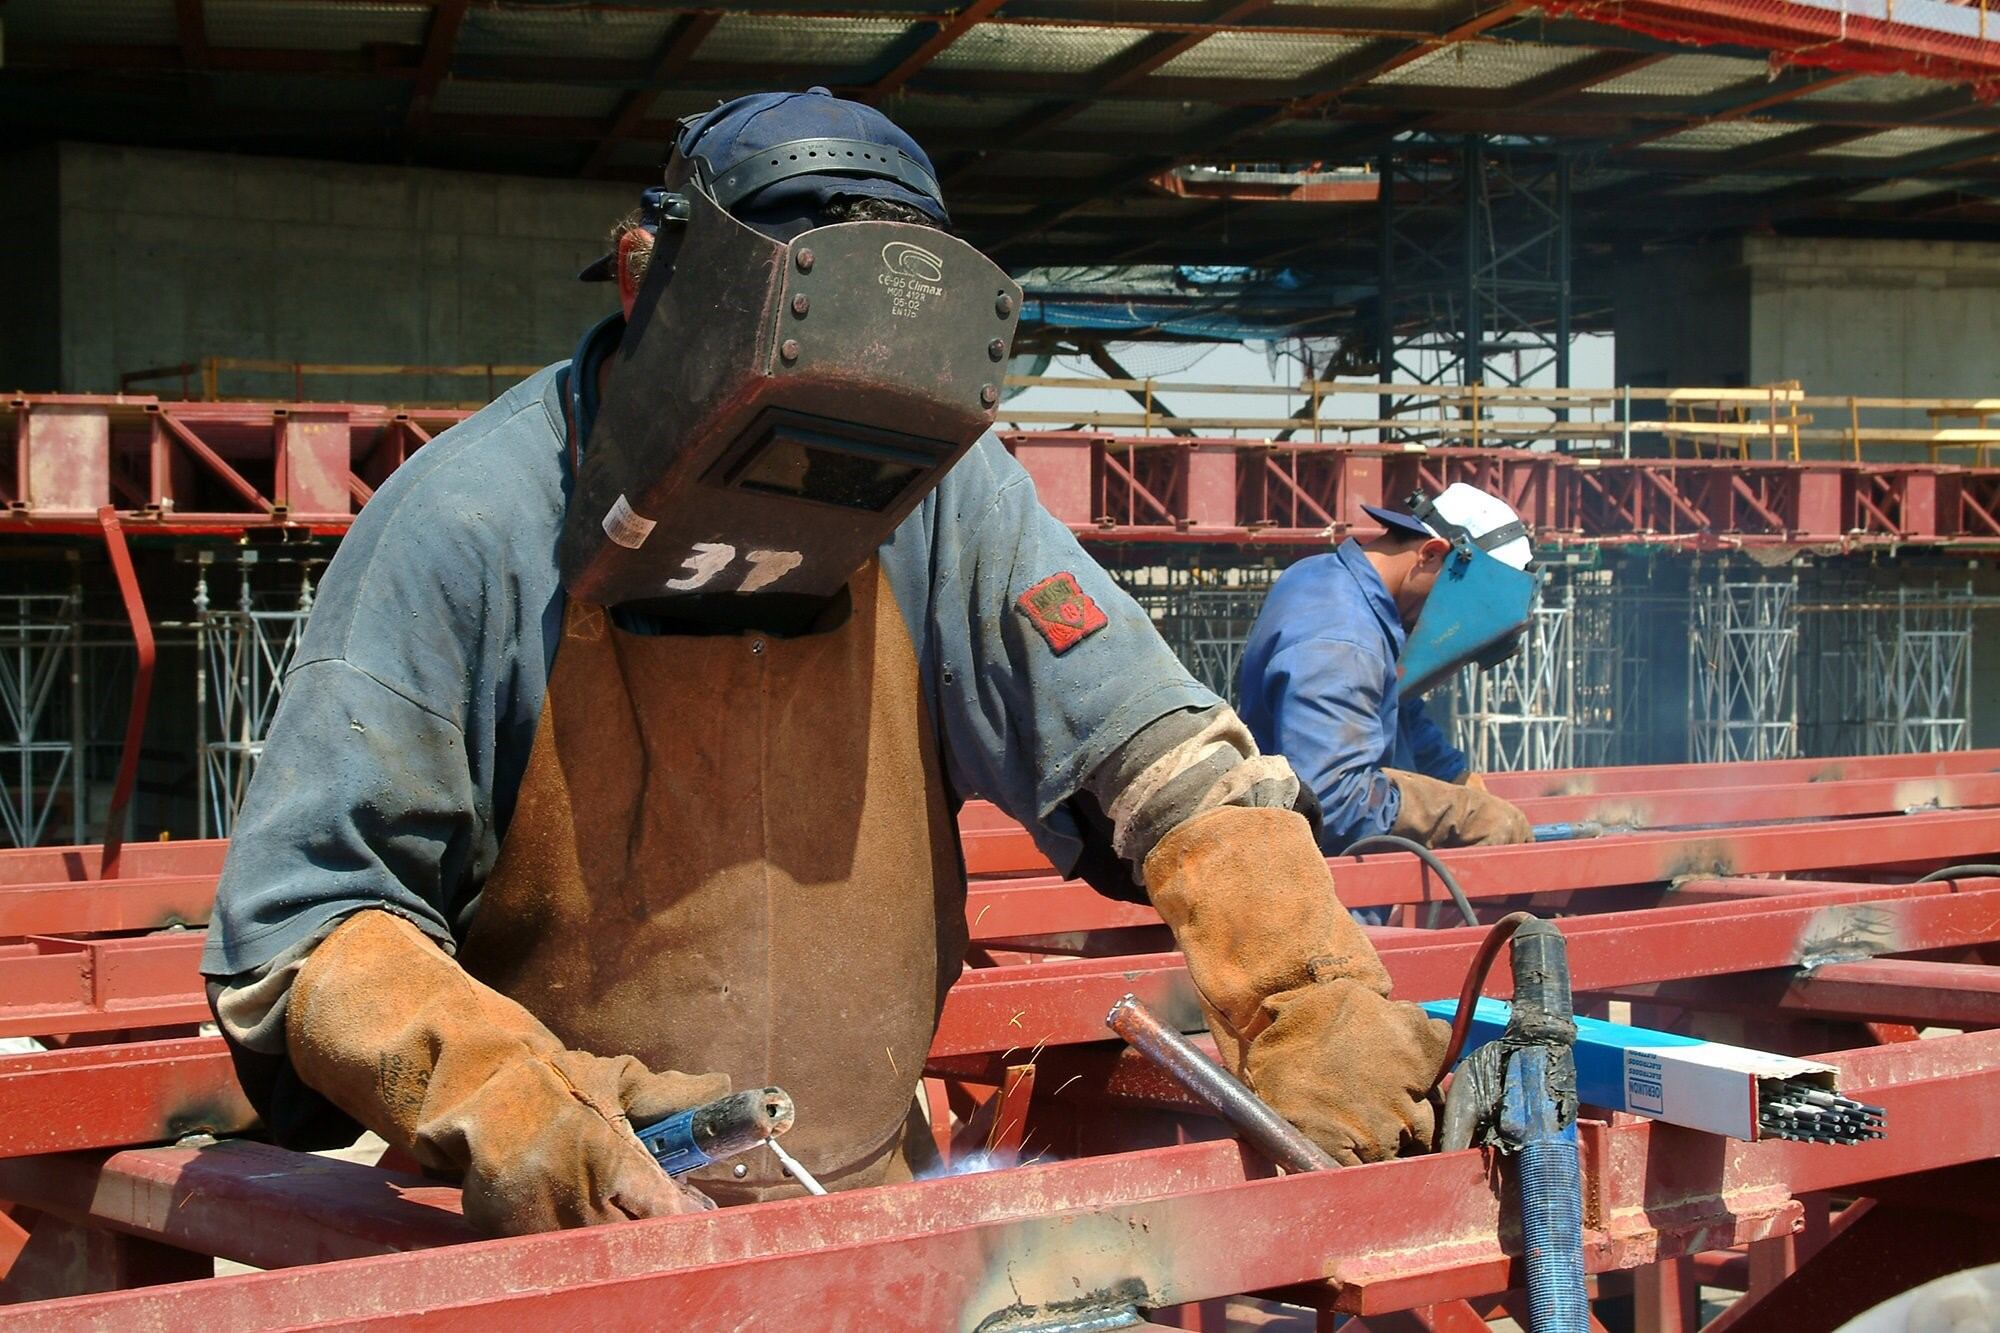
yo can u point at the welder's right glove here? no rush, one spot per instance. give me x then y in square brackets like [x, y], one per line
[1295, 996]
[1450, 814]
[397, 1035]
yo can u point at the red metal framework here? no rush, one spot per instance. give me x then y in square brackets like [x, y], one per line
[1801, 922]
[174, 468]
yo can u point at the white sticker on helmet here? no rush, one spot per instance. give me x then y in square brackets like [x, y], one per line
[626, 527]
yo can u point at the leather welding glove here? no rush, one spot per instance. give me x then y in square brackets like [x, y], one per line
[1447, 814]
[1471, 778]
[1295, 996]
[397, 1035]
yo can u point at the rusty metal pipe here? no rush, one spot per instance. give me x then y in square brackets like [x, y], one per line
[142, 689]
[1267, 1131]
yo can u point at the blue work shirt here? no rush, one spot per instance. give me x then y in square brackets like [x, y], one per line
[398, 747]
[1318, 685]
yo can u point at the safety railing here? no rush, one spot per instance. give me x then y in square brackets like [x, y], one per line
[1780, 422]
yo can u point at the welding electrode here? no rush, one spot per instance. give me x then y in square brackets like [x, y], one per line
[717, 1131]
[794, 1170]
[1793, 1110]
[1222, 1091]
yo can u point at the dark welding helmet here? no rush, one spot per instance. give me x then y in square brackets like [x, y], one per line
[1484, 596]
[777, 406]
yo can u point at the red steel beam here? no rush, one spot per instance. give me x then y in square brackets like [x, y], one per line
[1765, 773]
[1150, 1229]
[1063, 1002]
[1960, 995]
[109, 1096]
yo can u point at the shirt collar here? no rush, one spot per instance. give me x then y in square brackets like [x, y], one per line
[580, 377]
[1373, 591]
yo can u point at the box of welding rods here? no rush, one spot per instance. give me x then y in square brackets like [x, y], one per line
[1705, 1085]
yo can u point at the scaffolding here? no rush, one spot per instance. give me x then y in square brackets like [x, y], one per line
[41, 690]
[1742, 667]
[1521, 714]
[241, 656]
[1475, 283]
[1891, 666]
[1204, 612]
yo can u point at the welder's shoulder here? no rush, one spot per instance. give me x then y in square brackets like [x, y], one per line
[474, 515]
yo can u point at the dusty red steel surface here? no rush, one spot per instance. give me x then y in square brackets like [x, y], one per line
[192, 468]
[1802, 926]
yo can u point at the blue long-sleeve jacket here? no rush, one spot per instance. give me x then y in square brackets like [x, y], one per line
[1318, 685]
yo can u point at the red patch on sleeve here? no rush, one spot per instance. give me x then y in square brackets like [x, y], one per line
[1062, 611]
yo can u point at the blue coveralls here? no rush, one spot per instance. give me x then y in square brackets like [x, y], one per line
[1318, 684]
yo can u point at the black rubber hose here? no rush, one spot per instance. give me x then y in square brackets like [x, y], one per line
[1428, 857]
[1973, 871]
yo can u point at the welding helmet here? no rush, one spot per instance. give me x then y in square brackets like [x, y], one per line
[785, 393]
[1484, 596]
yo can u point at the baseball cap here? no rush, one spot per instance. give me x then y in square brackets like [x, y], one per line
[1490, 522]
[834, 149]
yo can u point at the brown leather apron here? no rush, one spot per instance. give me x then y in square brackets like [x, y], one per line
[733, 853]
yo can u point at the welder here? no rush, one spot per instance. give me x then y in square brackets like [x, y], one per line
[630, 725]
[1334, 669]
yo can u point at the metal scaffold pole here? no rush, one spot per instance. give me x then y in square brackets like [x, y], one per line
[40, 675]
[1742, 653]
[242, 655]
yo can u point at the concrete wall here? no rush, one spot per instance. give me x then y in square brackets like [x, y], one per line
[1891, 318]
[30, 335]
[169, 257]
[1907, 319]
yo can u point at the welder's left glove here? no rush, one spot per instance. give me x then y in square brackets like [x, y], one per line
[1295, 995]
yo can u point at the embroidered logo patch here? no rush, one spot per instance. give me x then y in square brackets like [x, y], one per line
[1063, 612]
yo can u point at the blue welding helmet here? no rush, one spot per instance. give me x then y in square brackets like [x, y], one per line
[1484, 596]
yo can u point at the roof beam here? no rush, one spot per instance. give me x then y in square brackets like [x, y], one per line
[933, 46]
[1344, 77]
[683, 39]
[447, 16]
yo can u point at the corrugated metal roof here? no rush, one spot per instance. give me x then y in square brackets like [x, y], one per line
[1259, 56]
[463, 97]
[106, 22]
[842, 47]
[1724, 135]
[1878, 90]
[1023, 48]
[917, 112]
[278, 92]
[313, 25]
[1900, 143]
[1683, 76]
[1491, 65]
[588, 34]
[1893, 192]
[1737, 184]
[1143, 116]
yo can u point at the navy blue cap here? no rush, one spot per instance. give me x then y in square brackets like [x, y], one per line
[1406, 524]
[731, 138]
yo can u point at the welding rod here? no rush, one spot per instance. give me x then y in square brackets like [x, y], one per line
[794, 1170]
[1267, 1131]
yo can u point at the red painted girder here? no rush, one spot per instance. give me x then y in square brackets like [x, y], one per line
[127, 903]
[1381, 879]
[105, 1096]
[250, 1202]
[1155, 1228]
[56, 865]
[57, 985]
[994, 849]
[1765, 773]
[1064, 1001]
[1898, 989]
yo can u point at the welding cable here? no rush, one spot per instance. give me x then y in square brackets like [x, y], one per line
[1475, 981]
[1428, 857]
[1973, 871]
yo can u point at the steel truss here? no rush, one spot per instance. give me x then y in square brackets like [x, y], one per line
[242, 653]
[1742, 653]
[41, 691]
[1204, 612]
[1475, 265]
